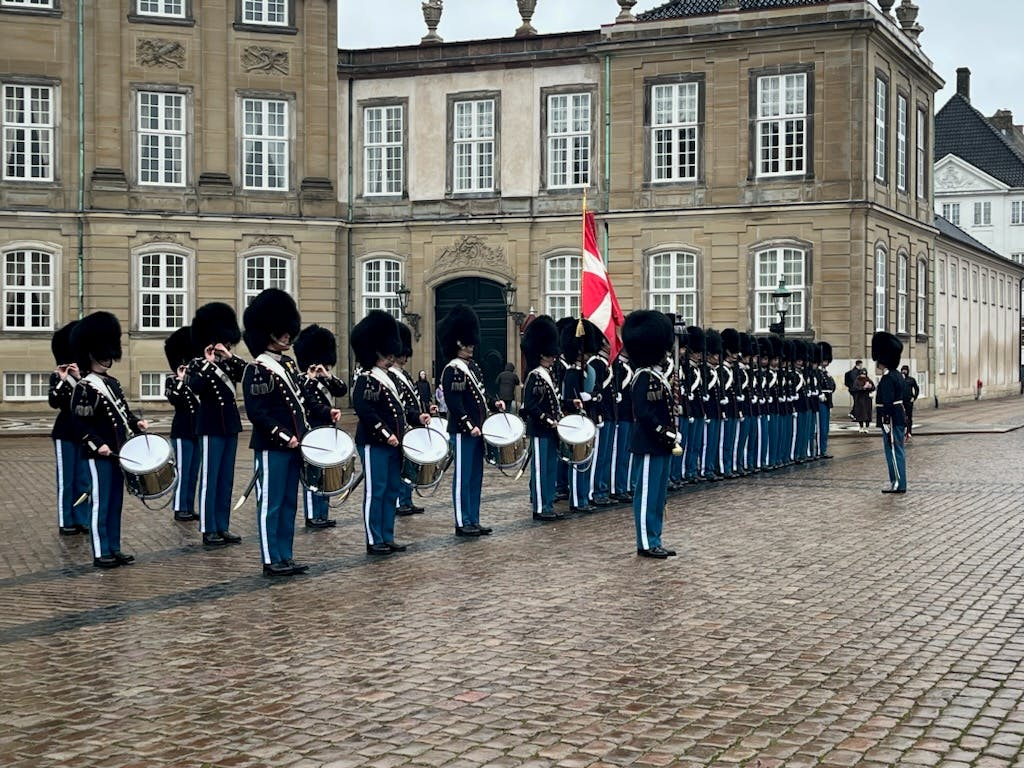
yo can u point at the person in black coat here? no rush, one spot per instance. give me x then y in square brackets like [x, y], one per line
[647, 337]
[72, 469]
[187, 457]
[911, 391]
[541, 411]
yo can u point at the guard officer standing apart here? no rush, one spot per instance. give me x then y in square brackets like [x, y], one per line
[886, 350]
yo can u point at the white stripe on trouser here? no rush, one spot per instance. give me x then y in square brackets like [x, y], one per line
[644, 497]
[367, 494]
[206, 479]
[721, 446]
[758, 442]
[179, 457]
[308, 503]
[538, 467]
[594, 463]
[703, 450]
[457, 491]
[736, 446]
[615, 459]
[60, 486]
[97, 547]
[895, 464]
[792, 446]
[264, 505]
[629, 471]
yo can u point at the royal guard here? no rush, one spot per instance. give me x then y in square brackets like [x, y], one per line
[694, 389]
[622, 384]
[714, 403]
[187, 456]
[828, 388]
[72, 469]
[886, 350]
[579, 390]
[414, 411]
[542, 410]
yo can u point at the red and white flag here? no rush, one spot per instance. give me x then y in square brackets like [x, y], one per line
[599, 304]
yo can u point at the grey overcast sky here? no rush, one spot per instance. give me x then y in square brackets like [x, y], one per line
[984, 35]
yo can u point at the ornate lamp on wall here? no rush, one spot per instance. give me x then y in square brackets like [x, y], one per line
[410, 317]
[781, 298]
[510, 301]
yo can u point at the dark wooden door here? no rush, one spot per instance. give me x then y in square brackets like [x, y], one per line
[488, 299]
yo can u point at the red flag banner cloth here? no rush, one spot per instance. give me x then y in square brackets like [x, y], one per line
[599, 304]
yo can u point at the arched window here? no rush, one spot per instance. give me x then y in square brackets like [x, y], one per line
[672, 284]
[881, 274]
[381, 278]
[772, 265]
[162, 291]
[562, 286]
[30, 277]
[902, 269]
[266, 270]
[922, 297]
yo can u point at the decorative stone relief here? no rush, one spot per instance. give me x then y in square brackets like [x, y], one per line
[951, 177]
[259, 58]
[160, 53]
[165, 237]
[471, 252]
[269, 240]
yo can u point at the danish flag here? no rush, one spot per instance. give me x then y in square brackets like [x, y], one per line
[598, 301]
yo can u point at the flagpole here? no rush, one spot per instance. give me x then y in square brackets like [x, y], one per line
[580, 330]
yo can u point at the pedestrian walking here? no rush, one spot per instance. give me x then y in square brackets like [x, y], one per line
[506, 383]
[863, 387]
[911, 391]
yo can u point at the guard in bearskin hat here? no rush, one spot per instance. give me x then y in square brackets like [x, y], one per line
[695, 392]
[801, 387]
[558, 371]
[886, 350]
[827, 388]
[603, 414]
[621, 389]
[579, 390]
[743, 462]
[102, 422]
[212, 375]
[72, 470]
[316, 352]
[729, 378]
[468, 407]
[648, 338]
[375, 343]
[416, 412]
[541, 410]
[714, 402]
[178, 392]
[280, 416]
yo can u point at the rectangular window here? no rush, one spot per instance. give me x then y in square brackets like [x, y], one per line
[984, 287]
[174, 9]
[384, 140]
[568, 140]
[26, 3]
[951, 213]
[881, 284]
[1017, 212]
[954, 277]
[940, 348]
[381, 280]
[1002, 293]
[940, 276]
[964, 286]
[28, 132]
[265, 139]
[782, 125]
[1017, 257]
[983, 214]
[672, 285]
[151, 385]
[993, 287]
[265, 271]
[954, 348]
[922, 156]
[675, 112]
[881, 128]
[28, 290]
[162, 291]
[161, 131]
[772, 266]
[902, 267]
[26, 386]
[901, 143]
[974, 283]
[273, 12]
[922, 298]
[474, 146]
[562, 286]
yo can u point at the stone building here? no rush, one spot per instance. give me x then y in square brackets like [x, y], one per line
[159, 154]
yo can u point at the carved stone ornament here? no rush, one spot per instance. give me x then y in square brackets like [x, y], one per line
[160, 53]
[471, 252]
[165, 237]
[259, 58]
[432, 10]
[526, 10]
[268, 240]
[626, 12]
[951, 177]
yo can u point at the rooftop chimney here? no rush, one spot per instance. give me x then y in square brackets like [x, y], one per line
[963, 82]
[1003, 120]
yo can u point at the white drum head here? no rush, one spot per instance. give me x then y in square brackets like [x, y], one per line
[576, 429]
[503, 429]
[327, 447]
[424, 446]
[145, 453]
[439, 425]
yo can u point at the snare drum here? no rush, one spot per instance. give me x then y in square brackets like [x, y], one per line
[328, 461]
[148, 466]
[439, 424]
[507, 446]
[424, 457]
[576, 435]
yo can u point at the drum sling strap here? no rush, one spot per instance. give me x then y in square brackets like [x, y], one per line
[101, 388]
[278, 370]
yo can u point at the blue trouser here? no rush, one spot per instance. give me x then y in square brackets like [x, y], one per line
[766, 422]
[895, 456]
[677, 466]
[694, 438]
[712, 433]
[621, 458]
[601, 471]
[107, 499]
[72, 482]
[743, 429]
[404, 495]
[726, 446]
[382, 467]
[543, 467]
[562, 478]
[650, 487]
[314, 505]
[216, 479]
[467, 478]
[188, 458]
[824, 412]
[277, 499]
[802, 435]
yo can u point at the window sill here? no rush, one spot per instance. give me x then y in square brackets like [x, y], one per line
[267, 29]
[54, 13]
[473, 195]
[567, 191]
[786, 178]
[32, 184]
[922, 337]
[167, 21]
[27, 333]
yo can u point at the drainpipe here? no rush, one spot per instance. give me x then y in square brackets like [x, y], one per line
[81, 160]
[349, 213]
[607, 146]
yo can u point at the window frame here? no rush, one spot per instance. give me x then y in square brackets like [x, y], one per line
[473, 97]
[974, 283]
[902, 130]
[288, 27]
[940, 349]
[754, 164]
[288, 260]
[951, 213]
[161, 16]
[546, 94]
[160, 377]
[50, 8]
[54, 290]
[289, 139]
[187, 261]
[965, 283]
[902, 292]
[382, 299]
[185, 134]
[571, 293]
[27, 381]
[921, 320]
[800, 293]
[676, 82]
[1016, 213]
[983, 213]
[679, 290]
[940, 276]
[365, 108]
[922, 153]
[881, 282]
[53, 128]
[954, 278]
[881, 143]
[954, 348]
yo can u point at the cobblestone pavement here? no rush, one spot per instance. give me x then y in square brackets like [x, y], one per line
[808, 620]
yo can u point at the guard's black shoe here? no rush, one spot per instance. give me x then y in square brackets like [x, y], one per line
[602, 501]
[671, 552]
[213, 540]
[277, 569]
[655, 552]
[106, 561]
[69, 530]
[548, 516]
[827, 456]
[122, 558]
[561, 495]
[378, 549]
[405, 510]
[182, 517]
[484, 530]
[417, 510]
[319, 523]
[468, 530]
[584, 509]
[297, 568]
[894, 490]
[394, 546]
[231, 538]
[82, 528]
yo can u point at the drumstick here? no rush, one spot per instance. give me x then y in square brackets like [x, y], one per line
[80, 499]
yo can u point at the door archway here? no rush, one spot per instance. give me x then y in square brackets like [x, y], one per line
[487, 297]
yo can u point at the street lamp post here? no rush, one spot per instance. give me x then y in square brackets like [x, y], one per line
[510, 301]
[781, 298]
[412, 318]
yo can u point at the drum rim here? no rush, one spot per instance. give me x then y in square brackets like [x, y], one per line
[350, 458]
[431, 440]
[132, 458]
[504, 418]
[582, 419]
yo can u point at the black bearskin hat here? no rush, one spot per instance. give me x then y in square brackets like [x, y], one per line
[731, 341]
[215, 323]
[406, 336]
[798, 350]
[271, 314]
[316, 346]
[648, 336]
[376, 335]
[697, 341]
[539, 338]
[886, 350]
[96, 336]
[713, 342]
[764, 346]
[60, 344]
[460, 327]
[588, 344]
[776, 342]
[788, 350]
[826, 352]
[179, 348]
[748, 344]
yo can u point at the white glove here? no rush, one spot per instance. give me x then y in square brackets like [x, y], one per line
[586, 397]
[724, 401]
